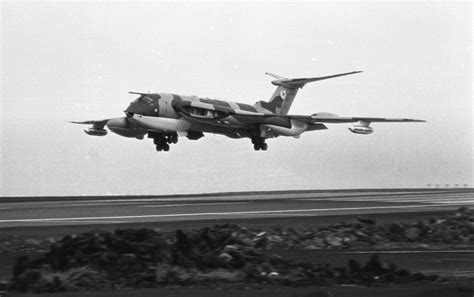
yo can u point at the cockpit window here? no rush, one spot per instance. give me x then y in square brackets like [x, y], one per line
[146, 104]
[145, 99]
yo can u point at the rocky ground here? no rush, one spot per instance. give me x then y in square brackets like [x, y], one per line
[363, 232]
[226, 254]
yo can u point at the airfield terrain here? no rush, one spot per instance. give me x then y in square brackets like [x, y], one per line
[43, 217]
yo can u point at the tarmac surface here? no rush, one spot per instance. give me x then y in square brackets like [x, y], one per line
[66, 211]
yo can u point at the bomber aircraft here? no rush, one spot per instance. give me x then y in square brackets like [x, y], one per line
[164, 116]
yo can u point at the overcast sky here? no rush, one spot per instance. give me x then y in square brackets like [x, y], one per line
[77, 61]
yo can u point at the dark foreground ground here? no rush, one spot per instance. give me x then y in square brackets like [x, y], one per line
[418, 290]
[455, 265]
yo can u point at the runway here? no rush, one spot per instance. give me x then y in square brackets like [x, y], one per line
[121, 210]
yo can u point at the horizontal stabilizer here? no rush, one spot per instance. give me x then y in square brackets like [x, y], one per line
[293, 83]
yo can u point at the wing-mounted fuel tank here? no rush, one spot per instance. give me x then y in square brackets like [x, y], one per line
[97, 128]
[362, 127]
[96, 132]
[120, 126]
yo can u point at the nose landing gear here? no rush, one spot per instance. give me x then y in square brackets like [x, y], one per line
[163, 140]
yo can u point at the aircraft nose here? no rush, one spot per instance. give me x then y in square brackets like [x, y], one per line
[133, 108]
[144, 105]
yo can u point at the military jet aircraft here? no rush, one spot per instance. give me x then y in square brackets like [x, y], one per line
[164, 116]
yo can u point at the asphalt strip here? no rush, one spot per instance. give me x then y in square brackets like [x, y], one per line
[257, 212]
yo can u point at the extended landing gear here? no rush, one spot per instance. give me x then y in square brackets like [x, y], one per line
[259, 144]
[163, 140]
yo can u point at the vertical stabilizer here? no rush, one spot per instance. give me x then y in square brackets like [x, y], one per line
[280, 102]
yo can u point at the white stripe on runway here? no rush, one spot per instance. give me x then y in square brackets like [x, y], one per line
[94, 204]
[430, 199]
[455, 201]
[192, 204]
[257, 212]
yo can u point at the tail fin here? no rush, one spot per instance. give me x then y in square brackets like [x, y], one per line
[286, 90]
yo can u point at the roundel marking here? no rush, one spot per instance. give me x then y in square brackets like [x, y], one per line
[283, 93]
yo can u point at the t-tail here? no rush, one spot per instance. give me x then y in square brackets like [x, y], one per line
[286, 90]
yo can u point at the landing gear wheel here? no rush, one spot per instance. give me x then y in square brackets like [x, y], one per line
[174, 138]
[259, 144]
[163, 141]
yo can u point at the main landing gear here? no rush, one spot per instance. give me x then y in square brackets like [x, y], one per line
[259, 144]
[163, 140]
